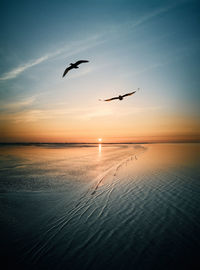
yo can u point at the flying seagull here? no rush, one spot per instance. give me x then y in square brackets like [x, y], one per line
[119, 97]
[74, 65]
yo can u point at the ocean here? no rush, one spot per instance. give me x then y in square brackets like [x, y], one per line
[100, 206]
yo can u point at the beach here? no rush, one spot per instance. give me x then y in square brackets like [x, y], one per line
[100, 206]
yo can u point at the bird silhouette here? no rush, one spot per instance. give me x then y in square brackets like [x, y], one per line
[74, 65]
[120, 97]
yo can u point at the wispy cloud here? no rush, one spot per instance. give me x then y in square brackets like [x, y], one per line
[145, 69]
[17, 105]
[180, 52]
[105, 111]
[151, 15]
[96, 113]
[86, 114]
[33, 115]
[68, 50]
[79, 46]
[18, 70]
[134, 23]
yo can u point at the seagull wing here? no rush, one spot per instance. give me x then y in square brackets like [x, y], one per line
[128, 94]
[66, 70]
[81, 61]
[110, 99]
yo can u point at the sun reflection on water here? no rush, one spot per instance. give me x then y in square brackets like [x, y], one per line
[99, 148]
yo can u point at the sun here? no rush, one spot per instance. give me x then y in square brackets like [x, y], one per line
[100, 139]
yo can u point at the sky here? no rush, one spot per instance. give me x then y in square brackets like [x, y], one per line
[130, 44]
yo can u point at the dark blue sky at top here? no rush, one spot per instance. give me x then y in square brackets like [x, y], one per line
[29, 27]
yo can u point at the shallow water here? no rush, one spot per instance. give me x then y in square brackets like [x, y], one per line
[100, 206]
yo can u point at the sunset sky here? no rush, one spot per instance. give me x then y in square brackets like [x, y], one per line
[153, 45]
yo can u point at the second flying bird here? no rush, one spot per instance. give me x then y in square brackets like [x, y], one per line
[120, 97]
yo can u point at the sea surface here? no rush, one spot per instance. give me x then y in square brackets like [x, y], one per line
[106, 206]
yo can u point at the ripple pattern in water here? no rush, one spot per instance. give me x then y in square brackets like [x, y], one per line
[126, 207]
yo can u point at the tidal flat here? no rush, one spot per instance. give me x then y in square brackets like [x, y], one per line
[100, 206]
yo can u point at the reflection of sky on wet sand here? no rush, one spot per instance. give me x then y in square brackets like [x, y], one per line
[171, 155]
[163, 157]
[59, 165]
[91, 199]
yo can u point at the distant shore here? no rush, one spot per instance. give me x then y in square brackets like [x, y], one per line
[96, 144]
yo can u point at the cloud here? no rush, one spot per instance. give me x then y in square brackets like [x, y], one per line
[79, 46]
[69, 50]
[34, 115]
[18, 104]
[145, 69]
[18, 70]
[96, 113]
[132, 24]
[151, 15]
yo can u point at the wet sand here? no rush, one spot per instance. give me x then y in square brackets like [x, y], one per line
[100, 206]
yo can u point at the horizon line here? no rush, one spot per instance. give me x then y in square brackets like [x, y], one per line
[138, 142]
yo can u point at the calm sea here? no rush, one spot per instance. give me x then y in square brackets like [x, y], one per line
[100, 206]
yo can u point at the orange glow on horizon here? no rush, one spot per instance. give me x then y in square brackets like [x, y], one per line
[113, 129]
